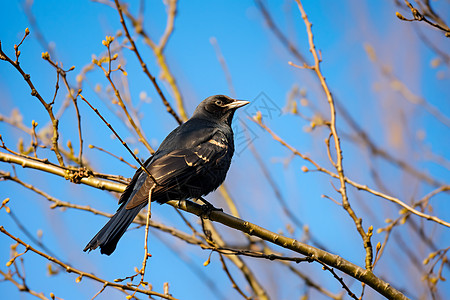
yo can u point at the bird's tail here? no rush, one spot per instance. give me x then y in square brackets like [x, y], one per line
[108, 237]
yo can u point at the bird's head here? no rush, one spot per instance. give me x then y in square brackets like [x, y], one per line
[219, 107]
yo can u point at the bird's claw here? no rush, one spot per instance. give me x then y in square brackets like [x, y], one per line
[208, 208]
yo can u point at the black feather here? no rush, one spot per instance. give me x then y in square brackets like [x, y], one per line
[191, 162]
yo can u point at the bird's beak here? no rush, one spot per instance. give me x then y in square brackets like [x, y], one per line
[236, 104]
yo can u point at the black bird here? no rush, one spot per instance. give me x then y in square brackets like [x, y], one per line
[191, 162]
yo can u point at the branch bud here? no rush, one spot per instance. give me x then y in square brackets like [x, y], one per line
[258, 117]
[45, 55]
[207, 261]
[378, 246]
[108, 40]
[399, 15]
[370, 231]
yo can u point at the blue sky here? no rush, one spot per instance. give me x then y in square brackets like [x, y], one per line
[258, 63]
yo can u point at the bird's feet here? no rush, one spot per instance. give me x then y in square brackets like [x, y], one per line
[208, 208]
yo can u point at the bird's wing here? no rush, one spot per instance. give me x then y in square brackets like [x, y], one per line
[176, 167]
[137, 180]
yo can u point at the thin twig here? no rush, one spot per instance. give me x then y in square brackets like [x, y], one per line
[158, 49]
[149, 215]
[256, 254]
[233, 282]
[418, 16]
[337, 144]
[214, 239]
[27, 7]
[107, 73]
[48, 107]
[120, 139]
[278, 33]
[22, 287]
[113, 155]
[348, 180]
[74, 99]
[101, 290]
[144, 66]
[82, 274]
[341, 281]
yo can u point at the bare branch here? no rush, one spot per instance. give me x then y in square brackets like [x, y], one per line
[69, 269]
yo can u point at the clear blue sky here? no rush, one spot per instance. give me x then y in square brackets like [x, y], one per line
[258, 64]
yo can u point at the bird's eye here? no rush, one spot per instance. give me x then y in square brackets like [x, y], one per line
[219, 102]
